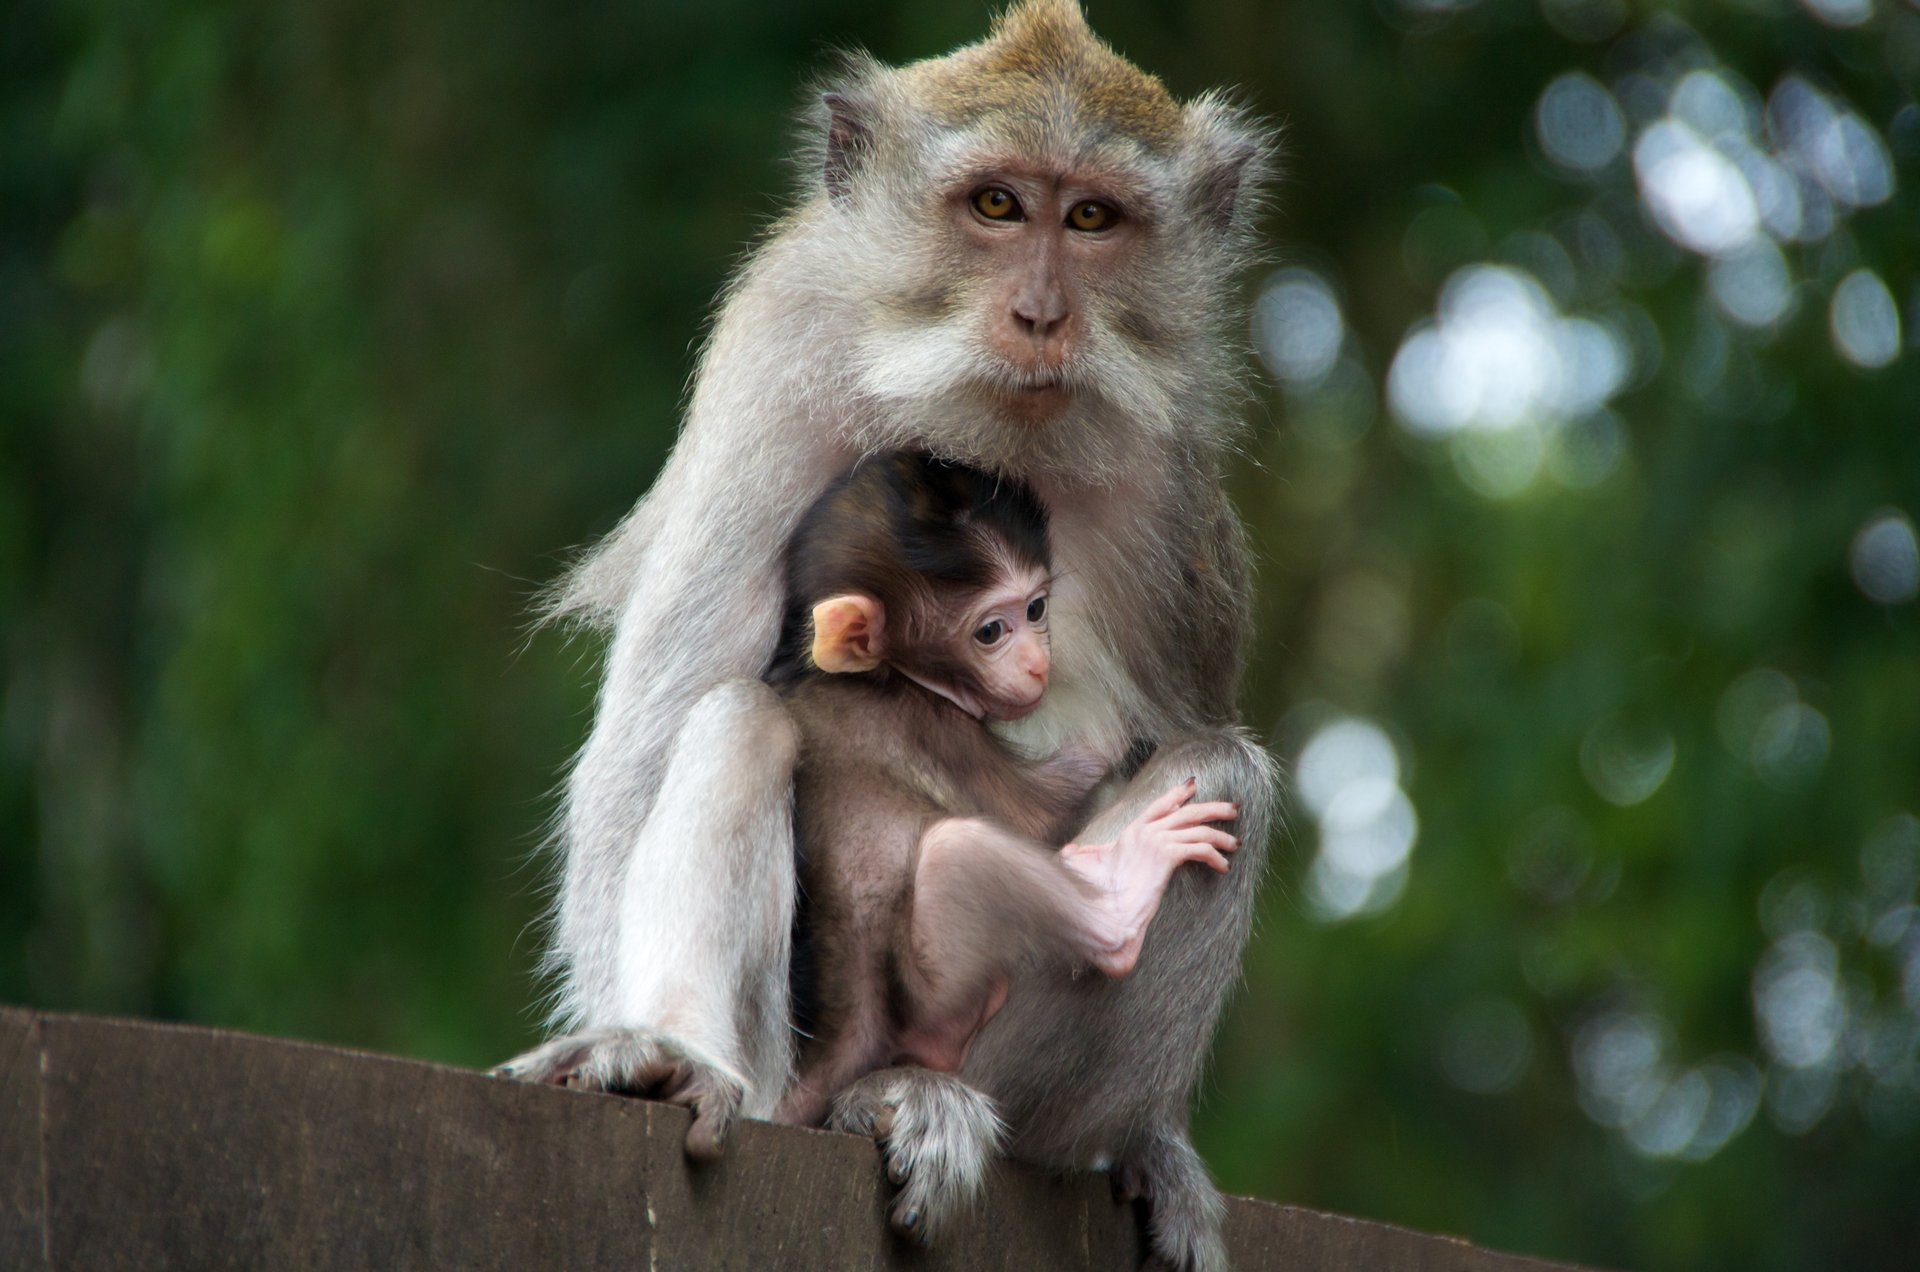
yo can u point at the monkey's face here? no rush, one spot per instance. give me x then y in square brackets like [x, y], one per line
[1026, 304]
[994, 659]
[1039, 243]
[1005, 647]
[1037, 247]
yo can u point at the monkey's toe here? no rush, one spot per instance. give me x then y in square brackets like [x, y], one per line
[639, 1063]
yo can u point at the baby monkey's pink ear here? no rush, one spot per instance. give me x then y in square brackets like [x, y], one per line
[848, 632]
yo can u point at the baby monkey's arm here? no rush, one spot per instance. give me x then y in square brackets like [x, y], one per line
[985, 898]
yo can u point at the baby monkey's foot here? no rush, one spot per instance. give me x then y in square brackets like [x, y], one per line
[1130, 875]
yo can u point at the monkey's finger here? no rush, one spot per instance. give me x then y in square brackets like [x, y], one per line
[1211, 836]
[1209, 857]
[1194, 814]
[1171, 800]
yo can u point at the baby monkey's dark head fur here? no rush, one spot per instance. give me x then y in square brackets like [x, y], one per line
[957, 562]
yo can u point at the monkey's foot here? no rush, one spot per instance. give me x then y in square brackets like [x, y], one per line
[639, 1062]
[1184, 1211]
[937, 1134]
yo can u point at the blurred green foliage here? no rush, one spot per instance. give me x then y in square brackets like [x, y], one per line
[326, 329]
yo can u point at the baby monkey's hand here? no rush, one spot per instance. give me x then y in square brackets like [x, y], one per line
[1130, 875]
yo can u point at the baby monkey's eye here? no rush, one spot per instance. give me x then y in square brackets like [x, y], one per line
[1092, 215]
[1036, 609]
[990, 633]
[997, 204]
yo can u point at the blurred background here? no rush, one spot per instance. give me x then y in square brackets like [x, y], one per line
[1583, 482]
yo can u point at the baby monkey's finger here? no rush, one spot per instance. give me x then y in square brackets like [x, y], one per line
[1209, 858]
[1195, 814]
[1179, 795]
[1212, 835]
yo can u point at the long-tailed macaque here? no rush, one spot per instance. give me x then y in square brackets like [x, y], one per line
[917, 598]
[1024, 256]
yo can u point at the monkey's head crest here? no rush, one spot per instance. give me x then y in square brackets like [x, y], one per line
[1042, 55]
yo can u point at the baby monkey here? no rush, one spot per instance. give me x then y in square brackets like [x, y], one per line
[917, 596]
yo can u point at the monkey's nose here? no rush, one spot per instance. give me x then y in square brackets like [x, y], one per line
[1043, 322]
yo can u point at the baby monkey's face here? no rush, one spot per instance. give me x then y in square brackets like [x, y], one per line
[1001, 642]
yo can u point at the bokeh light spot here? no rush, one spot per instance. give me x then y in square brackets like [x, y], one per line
[1348, 776]
[1790, 743]
[1864, 322]
[1752, 286]
[1579, 124]
[1840, 13]
[1885, 558]
[1499, 355]
[1626, 763]
[1697, 196]
[1486, 1046]
[1797, 1000]
[1298, 327]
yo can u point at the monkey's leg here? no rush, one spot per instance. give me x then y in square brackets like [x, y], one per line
[1184, 1209]
[856, 1043]
[938, 1136]
[701, 983]
[1086, 1070]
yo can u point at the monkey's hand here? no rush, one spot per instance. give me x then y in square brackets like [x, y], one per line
[1130, 875]
[640, 1062]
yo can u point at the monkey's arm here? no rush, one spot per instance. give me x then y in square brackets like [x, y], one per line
[985, 899]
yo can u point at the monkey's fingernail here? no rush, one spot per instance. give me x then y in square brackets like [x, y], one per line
[910, 1220]
[1193, 781]
[897, 1172]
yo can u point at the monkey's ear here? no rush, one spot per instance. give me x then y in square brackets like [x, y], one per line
[1233, 160]
[849, 141]
[848, 633]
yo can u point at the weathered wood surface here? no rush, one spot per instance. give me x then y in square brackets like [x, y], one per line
[126, 1144]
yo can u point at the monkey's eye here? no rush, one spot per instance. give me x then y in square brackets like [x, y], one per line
[996, 203]
[1036, 609]
[1092, 216]
[990, 633]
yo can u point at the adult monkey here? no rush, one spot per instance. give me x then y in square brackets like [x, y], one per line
[1022, 256]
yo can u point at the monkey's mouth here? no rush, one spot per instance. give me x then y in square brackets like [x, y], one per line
[1007, 712]
[1037, 399]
